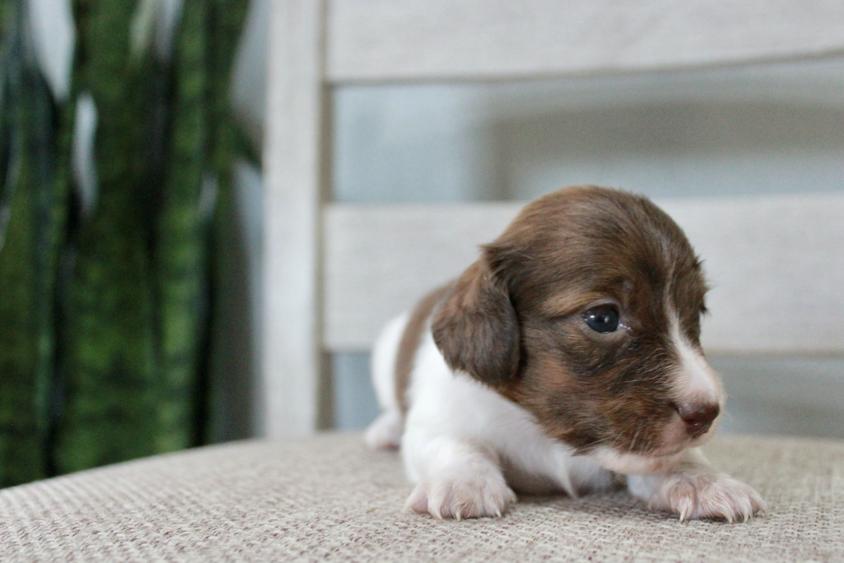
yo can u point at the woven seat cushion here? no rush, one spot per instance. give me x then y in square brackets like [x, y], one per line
[328, 498]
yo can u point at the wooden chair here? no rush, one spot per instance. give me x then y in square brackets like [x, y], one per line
[334, 273]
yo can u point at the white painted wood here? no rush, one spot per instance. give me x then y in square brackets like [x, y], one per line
[775, 262]
[380, 259]
[777, 395]
[383, 40]
[288, 392]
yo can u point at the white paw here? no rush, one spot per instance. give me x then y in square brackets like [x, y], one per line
[708, 495]
[384, 432]
[465, 497]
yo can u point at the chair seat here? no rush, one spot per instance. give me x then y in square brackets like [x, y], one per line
[329, 498]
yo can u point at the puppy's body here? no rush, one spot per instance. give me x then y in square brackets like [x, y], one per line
[467, 411]
[494, 382]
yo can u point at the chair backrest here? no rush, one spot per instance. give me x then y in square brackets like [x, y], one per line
[334, 273]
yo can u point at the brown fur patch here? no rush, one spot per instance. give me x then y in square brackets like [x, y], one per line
[410, 339]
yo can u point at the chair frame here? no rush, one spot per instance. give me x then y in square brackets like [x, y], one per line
[316, 45]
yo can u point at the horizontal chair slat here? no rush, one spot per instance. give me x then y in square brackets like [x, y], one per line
[775, 264]
[384, 40]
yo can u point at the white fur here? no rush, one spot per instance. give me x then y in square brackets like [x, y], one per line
[465, 447]
[461, 437]
[384, 362]
[694, 490]
[386, 431]
[631, 464]
[696, 381]
[457, 479]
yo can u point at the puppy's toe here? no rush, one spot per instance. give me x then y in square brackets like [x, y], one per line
[385, 432]
[459, 498]
[716, 496]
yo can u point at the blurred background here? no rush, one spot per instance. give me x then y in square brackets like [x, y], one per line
[131, 209]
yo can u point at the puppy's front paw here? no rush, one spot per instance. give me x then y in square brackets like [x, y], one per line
[462, 497]
[708, 495]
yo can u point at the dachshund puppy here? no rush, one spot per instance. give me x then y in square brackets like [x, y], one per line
[566, 358]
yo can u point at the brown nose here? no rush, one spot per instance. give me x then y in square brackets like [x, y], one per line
[698, 416]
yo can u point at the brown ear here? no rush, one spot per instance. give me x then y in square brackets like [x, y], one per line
[476, 327]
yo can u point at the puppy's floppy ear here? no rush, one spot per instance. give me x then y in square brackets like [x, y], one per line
[476, 327]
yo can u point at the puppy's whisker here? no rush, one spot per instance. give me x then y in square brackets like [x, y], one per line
[635, 438]
[595, 443]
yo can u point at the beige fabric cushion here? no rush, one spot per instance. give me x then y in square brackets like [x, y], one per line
[328, 498]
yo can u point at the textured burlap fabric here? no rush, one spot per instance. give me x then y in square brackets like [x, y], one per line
[329, 498]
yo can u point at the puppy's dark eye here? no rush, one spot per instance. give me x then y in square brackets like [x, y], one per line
[603, 318]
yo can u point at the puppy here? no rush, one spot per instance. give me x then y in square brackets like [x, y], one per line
[566, 358]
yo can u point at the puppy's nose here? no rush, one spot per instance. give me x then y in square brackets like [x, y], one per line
[698, 416]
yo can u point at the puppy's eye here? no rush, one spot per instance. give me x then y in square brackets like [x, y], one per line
[603, 318]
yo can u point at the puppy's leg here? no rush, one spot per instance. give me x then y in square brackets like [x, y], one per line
[695, 490]
[386, 430]
[456, 479]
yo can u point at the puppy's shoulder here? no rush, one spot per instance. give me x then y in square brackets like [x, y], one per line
[412, 339]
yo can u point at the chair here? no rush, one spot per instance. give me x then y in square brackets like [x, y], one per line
[318, 297]
[306, 496]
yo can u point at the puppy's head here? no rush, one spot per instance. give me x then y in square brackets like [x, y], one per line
[586, 311]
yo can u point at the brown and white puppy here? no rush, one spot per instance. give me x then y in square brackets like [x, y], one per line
[567, 354]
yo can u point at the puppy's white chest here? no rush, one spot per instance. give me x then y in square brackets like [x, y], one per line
[453, 405]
